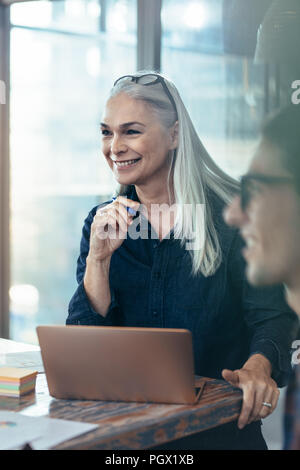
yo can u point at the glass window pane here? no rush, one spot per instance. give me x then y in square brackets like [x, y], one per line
[223, 92]
[59, 83]
[80, 16]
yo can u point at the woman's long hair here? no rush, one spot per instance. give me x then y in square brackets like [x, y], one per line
[193, 172]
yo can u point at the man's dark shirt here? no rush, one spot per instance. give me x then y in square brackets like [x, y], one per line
[151, 286]
[292, 412]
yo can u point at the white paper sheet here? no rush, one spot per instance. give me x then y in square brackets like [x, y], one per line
[41, 433]
[56, 431]
[26, 359]
[14, 431]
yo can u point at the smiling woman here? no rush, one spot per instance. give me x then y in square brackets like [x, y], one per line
[156, 279]
[166, 136]
[130, 129]
[135, 144]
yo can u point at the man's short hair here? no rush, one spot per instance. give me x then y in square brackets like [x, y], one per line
[283, 130]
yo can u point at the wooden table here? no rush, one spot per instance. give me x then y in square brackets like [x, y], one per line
[129, 425]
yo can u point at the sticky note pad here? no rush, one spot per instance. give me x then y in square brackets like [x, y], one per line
[15, 382]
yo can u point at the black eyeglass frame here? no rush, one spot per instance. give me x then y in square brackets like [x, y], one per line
[265, 179]
[157, 79]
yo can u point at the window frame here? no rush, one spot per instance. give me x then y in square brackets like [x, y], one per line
[4, 174]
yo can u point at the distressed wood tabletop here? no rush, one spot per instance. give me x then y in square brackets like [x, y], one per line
[124, 425]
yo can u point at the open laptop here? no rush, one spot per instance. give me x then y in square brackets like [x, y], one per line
[119, 363]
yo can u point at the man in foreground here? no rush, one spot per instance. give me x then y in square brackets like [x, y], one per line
[267, 212]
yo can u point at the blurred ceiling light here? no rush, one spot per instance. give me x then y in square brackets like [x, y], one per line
[195, 15]
[24, 299]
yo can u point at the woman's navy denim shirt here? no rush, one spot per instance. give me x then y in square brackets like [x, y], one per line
[151, 286]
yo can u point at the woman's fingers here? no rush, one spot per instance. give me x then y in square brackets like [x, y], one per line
[259, 392]
[110, 218]
[266, 400]
[116, 213]
[128, 202]
[247, 407]
[112, 226]
[269, 403]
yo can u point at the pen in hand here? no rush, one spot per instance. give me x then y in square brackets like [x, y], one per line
[129, 209]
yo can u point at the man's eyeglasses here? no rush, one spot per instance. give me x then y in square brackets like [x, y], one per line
[248, 185]
[150, 79]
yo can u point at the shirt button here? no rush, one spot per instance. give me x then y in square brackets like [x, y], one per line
[155, 313]
[157, 275]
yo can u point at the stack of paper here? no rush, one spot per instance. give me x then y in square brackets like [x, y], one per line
[15, 382]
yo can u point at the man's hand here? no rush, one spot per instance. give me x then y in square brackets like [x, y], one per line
[258, 388]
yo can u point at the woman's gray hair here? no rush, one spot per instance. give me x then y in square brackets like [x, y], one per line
[194, 174]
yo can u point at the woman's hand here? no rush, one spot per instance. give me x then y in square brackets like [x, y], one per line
[109, 228]
[260, 392]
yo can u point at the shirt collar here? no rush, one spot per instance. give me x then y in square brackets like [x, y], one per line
[131, 193]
